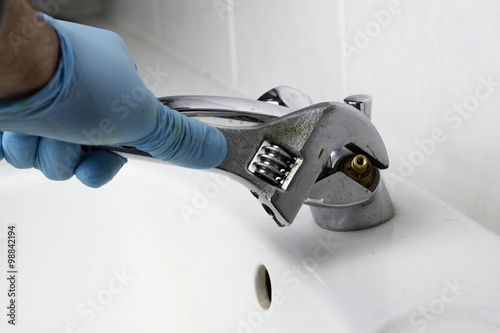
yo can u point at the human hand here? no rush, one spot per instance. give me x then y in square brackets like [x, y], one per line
[95, 98]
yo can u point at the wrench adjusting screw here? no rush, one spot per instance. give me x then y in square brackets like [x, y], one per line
[274, 164]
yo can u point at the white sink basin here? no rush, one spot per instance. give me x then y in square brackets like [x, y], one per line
[165, 249]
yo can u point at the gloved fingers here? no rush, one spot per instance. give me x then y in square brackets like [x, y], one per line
[1, 146]
[60, 160]
[20, 149]
[57, 160]
[98, 168]
[185, 141]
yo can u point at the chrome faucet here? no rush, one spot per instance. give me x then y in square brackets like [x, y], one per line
[289, 151]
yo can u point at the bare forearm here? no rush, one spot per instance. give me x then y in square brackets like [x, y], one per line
[29, 51]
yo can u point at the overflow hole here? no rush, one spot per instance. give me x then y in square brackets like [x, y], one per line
[263, 287]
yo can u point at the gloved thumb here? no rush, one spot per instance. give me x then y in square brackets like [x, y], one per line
[184, 141]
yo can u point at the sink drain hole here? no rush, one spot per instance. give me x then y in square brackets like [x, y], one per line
[263, 287]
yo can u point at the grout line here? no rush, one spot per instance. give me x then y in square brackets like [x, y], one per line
[343, 39]
[153, 43]
[232, 46]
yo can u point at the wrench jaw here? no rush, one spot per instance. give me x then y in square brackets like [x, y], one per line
[353, 130]
[309, 135]
[340, 200]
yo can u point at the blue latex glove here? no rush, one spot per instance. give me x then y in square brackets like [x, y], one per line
[96, 97]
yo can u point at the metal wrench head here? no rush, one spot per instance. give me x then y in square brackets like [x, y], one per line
[294, 149]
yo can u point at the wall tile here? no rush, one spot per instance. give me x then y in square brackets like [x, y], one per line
[136, 17]
[197, 32]
[291, 43]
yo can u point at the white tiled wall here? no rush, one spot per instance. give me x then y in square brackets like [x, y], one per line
[288, 42]
[421, 67]
[191, 31]
[420, 60]
[277, 44]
